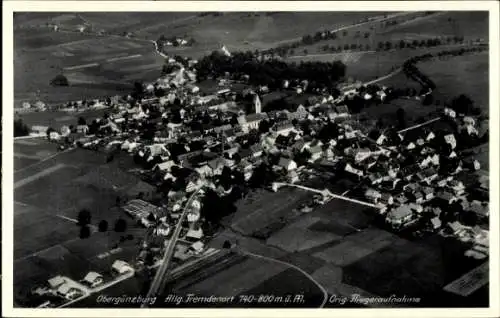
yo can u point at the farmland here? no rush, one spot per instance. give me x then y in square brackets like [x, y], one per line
[49, 193]
[412, 26]
[103, 65]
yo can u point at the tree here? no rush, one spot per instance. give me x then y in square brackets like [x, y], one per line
[84, 217]
[462, 104]
[428, 100]
[81, 121]
[84, 232]
[400, 115]
[226, 244]
[120, 225]
[103, 226]
[20, 128]
[59, 80]
[264, 126]
[151, 217]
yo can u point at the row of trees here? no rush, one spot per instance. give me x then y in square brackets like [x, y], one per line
[84, 219]
[271, 72]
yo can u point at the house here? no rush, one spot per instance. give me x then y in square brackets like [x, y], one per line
[376, 178]
[342, 111]
[401, 198]
[427, 175]
[362, 154]
[287, 164]
[293, 176]
[447, 197]
[284, 128]
[164, 166]
[418, 196]
[428, 193]
[353, 170]
[181, 252]
[450, 139]
[256, 150]
[316, 153]
[457, 187]
[400, 216]
[373, 195]
[216, 165]
[54, 135]
[56, 281]
[435, 223]
[456, 228]
[93, 279]
[39, 130]
[204, 171]
[197, 247]
[193, 185]
[430, 136]
[450, 112]
[479, 209]
[416, 207]
[251, 121]
[122, 267]
[381, 139]
[387, 199]
[194, 235]
[246, 167]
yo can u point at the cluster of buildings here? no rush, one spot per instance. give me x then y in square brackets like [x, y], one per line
[62, 289]
[186, 140]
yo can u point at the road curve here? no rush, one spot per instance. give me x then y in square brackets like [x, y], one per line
[325, 293]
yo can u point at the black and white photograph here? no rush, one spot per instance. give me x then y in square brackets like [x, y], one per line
[251, 159]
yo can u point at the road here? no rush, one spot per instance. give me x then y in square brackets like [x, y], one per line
[323, 290]
[159, 278]
[325, 192]
[420, 125]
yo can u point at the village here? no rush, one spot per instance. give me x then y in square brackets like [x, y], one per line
[418, 179]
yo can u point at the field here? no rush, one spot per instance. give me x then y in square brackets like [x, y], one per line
[49, 193]
[466, 74]
[95, 66]
[99, 66]
[470, 25]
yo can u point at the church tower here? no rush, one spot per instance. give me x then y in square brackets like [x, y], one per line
[257, 104]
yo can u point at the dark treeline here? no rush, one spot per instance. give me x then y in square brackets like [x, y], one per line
[410, 69]
[271, 72]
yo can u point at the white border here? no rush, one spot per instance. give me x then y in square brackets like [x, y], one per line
[7, 200]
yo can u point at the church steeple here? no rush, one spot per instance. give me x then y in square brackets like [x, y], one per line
[257, 103]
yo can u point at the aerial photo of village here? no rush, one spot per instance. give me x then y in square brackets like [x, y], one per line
[251, 159]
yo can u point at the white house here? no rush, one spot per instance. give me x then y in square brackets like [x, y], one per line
[122, 267]
[450, 112]
[450, 139]
[93, 279]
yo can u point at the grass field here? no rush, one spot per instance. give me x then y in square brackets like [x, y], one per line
[466, 74]
[264, 209]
